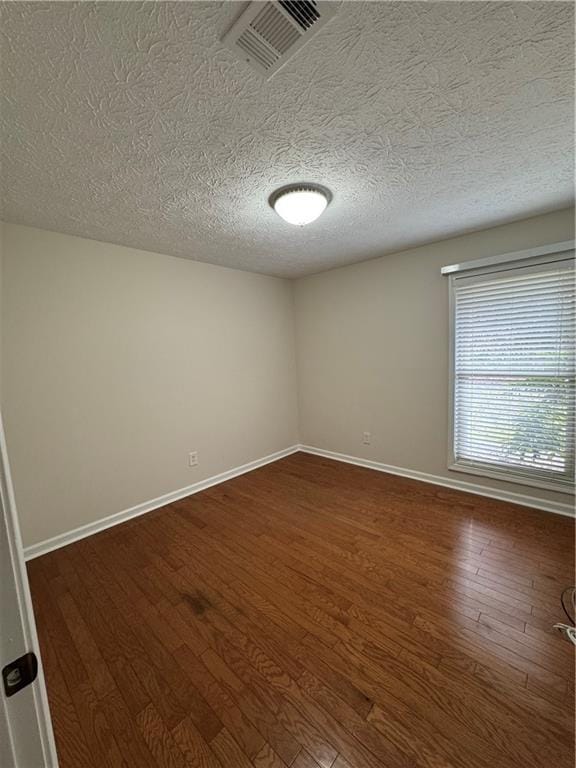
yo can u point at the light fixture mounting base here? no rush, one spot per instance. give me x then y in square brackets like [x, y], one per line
[303, 186]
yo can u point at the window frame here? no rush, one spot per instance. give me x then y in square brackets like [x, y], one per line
[563, 251]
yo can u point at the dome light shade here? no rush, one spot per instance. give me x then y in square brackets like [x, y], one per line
[300, 204]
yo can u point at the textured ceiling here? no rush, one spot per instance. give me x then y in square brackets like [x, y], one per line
[130, 123]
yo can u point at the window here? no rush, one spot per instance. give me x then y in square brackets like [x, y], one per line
[513, 388]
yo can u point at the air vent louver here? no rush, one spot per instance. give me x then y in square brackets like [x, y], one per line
[268, 34]
[304, 14]
[274, 28]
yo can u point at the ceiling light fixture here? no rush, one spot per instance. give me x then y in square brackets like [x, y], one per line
[300, 204]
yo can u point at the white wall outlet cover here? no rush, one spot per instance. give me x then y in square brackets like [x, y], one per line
[193, 459]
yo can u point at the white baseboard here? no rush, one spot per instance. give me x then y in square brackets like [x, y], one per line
[140, 509]
[460, 485]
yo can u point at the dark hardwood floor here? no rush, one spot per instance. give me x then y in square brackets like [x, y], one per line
[308, 614]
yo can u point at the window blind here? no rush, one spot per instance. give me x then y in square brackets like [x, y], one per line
[513, 357]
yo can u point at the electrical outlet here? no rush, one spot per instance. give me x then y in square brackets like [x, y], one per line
[193, 459]
[366, 438]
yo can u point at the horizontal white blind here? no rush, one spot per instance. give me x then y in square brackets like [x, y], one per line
[514, 371]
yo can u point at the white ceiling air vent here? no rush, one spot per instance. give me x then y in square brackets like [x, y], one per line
[268, 34]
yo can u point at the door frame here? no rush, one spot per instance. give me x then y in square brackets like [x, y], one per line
[43, 721]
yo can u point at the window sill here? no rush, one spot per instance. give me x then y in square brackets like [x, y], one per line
[509, 477]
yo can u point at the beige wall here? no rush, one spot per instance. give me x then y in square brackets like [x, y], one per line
[118, 362]
[372, 342]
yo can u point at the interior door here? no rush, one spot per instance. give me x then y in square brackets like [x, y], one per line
[26, 738]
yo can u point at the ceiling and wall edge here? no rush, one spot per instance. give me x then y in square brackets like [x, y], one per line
[418, 117]
[297, 278]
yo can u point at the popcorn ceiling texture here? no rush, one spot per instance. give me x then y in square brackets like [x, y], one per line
[131, 123]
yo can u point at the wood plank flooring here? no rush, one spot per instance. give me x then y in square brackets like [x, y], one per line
[312, 614]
